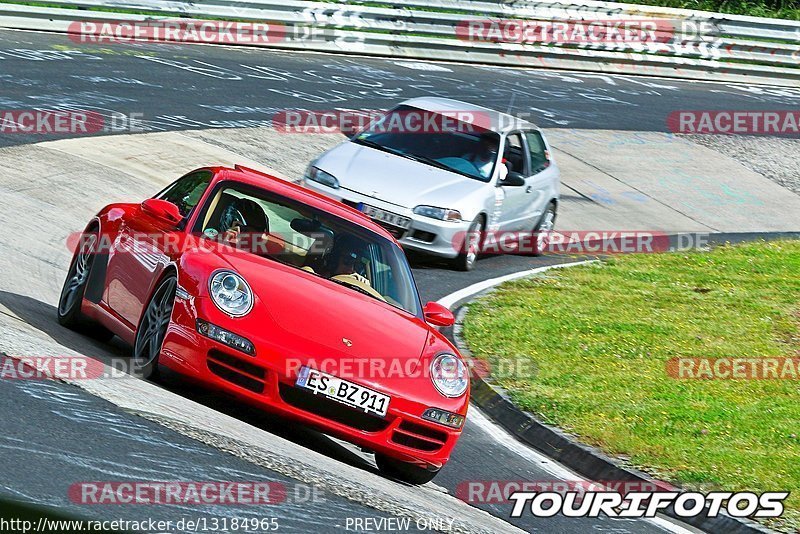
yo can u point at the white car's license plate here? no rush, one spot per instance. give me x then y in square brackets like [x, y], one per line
[385, 216]
[343, 391]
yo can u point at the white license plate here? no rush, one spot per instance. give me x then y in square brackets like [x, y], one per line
[343, 391]
[385, 216]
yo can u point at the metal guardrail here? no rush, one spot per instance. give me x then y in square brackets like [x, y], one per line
[701, 45]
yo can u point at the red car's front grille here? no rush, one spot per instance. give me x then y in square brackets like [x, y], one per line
[419, 437]
[243, 374]
[329, 409]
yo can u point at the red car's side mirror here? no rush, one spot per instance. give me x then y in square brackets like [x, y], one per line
[162, 210]
[438, 315]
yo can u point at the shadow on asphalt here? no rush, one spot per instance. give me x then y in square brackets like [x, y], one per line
[42, 317]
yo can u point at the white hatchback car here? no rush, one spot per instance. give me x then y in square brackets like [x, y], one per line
[439, 174]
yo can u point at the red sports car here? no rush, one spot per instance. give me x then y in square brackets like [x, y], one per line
[289, 300]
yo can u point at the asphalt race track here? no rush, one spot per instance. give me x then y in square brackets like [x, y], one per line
[56, 435]
[86, 440]
[193, 87]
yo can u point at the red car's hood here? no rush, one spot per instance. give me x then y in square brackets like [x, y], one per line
[316, 319]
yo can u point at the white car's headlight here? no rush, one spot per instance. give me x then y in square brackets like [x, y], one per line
[230, 293]
[438, 213]
[449, 375]
[318, 175]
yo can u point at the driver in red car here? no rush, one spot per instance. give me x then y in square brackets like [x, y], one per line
[245, 225]
[345, 256]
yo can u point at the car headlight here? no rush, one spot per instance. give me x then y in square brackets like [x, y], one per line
[318, 175]
[449, 375]
[438, 213]
[231, 293]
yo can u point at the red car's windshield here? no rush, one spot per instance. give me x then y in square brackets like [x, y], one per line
[315, 241]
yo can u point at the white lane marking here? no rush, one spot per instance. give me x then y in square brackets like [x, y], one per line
[470, 291]
[500, 434]
[419, 65]
[504, 438]
[669, 526]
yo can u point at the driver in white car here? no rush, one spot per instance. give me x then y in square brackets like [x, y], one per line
[484, 156]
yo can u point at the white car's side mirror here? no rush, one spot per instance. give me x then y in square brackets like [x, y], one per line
[502, 172]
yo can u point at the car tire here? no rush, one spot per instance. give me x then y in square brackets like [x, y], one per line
[544, 229]
[468, 257]
[153, 327]
[404, 471]
[74, 289]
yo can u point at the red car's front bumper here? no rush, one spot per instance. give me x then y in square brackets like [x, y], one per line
[266, 382]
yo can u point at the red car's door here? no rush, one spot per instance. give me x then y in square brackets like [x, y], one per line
[145, 246]
[137, 258]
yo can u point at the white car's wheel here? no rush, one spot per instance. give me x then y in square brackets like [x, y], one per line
[468, 257]
[544, 230]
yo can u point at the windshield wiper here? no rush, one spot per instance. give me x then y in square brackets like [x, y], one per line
[415, 157]
[358, 288]
[377, 146]
[429, 161]
[440, 165]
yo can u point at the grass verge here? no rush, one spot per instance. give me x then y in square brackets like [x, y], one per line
[601, 335]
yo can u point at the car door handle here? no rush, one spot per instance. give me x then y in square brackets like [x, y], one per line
[529, 189]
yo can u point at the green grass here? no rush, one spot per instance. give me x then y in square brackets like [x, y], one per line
[600, 336]
[776, 9]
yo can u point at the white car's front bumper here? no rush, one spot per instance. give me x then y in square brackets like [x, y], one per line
[428, 235]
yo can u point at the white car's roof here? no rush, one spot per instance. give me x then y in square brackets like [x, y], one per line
[501, 122]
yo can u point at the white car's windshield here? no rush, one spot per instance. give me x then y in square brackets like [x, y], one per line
[315, 241]
[436, 139]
